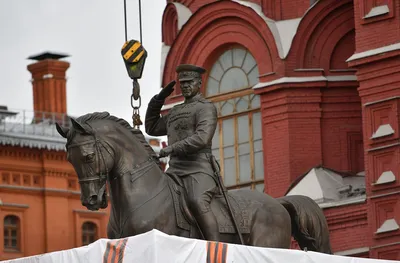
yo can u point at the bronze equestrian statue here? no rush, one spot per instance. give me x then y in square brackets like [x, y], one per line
[105, 149]
[190, 127]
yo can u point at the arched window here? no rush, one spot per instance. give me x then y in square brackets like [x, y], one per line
[12, 233]
[237, 142]
[89, 233]
[235, 69]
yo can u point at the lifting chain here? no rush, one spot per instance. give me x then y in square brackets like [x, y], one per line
[134, 97]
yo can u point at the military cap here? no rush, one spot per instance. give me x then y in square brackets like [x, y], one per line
[188, 72]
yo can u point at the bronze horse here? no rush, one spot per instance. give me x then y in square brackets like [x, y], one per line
[103, 148]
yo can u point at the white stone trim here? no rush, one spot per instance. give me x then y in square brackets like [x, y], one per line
[309, 69]
[183, 14]
[288, 80]
[283, 31]
[350, 201]
[388, 226]
[378, 11]
[386, 177]
[287, 29]
[164, 53]
[373, 52]
[341, 78]
[353, 251]
[305, 79]
[383, 100]
[382, 131]
[383, 147]
[343, 70]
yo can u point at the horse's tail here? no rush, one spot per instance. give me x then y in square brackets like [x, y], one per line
[309, 225]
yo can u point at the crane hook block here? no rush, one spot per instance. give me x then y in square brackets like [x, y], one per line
[134, 56]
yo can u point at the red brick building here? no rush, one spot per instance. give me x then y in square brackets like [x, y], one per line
[308, 95]
[40, 207]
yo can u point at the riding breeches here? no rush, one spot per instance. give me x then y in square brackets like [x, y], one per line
[197, 186]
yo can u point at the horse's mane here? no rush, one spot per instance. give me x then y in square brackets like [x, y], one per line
[107, 116]
[102, 116]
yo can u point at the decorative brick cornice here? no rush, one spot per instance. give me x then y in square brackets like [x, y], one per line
[88, 213]
[374, 72]
[20, 153]
[56, 67]
[303, 81]
[55, 156]
[55, 173]
[40, 191]
[13, 206]
[347, 218]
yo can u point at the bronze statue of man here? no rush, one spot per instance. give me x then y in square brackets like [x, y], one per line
[190, 127]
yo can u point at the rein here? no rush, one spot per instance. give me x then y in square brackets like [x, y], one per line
[99, 175]
[141, 166]
[103, 175]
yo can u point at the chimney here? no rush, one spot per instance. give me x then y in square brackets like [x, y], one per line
[49, 86]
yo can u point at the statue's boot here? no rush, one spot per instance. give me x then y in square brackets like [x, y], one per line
[205, 217]
[209, 226]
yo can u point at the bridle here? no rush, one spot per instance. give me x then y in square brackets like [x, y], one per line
[99, 158]
[100, 175]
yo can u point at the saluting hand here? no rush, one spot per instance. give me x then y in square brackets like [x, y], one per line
[166, 91]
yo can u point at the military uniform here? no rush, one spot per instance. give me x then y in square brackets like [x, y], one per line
[190, 128]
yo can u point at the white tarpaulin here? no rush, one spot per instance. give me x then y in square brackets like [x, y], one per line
[155, 246]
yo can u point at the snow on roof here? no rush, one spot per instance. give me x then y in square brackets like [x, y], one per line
[283, 31]
[19, 131]
[164, 53]
[305, 79]
[32, 141]
[183, 14]
[330, 188]
[373, 52]
[41, 135]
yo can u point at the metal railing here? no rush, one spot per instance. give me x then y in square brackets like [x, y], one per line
[31, 122]
[37, 123]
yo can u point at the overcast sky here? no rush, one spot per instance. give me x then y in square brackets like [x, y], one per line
[92, 32]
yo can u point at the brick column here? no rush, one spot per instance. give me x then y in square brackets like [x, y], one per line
[380, 95]
[377, 60]
[291, 133]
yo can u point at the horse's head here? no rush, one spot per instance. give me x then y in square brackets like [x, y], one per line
[92, 158]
